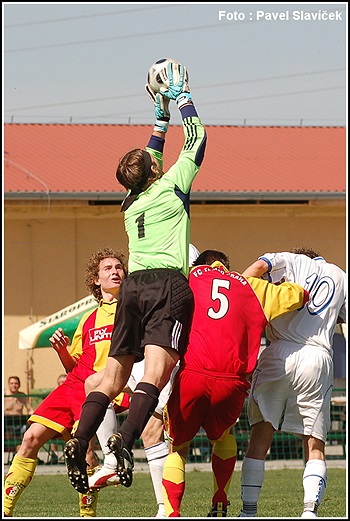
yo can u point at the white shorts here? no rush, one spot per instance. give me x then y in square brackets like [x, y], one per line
[137, 373]
[291, 389]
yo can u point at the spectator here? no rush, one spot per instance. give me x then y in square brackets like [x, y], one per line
[15, 400]
[16, 404]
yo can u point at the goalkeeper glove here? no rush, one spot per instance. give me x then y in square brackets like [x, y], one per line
[181, 91]
[161, 110]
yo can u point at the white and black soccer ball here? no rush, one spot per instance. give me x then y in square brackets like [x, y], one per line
[158, 74]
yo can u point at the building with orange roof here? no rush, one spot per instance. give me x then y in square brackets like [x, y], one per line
[259, 189]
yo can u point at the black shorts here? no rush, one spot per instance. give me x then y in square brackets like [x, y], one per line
[155, 306]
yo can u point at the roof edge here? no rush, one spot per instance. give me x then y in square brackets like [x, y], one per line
[195, 196]
[179, 124]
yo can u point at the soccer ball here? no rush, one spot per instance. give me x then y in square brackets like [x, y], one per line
[158, 74]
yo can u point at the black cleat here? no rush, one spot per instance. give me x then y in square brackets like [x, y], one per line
[124, 457]
[218, 510]
[76, 465]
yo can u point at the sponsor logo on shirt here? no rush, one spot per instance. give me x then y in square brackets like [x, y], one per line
[98, 334]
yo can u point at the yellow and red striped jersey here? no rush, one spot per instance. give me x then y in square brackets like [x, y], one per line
[92, 339]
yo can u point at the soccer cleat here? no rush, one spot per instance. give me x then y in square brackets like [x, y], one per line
[249, 509]
[161, 511]
[218, 510]
[103, 477]
[124, 457]
[310, 510]
[76, 465]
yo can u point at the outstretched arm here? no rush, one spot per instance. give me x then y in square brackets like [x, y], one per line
[192, 153]
[162, 115]
[257, 269]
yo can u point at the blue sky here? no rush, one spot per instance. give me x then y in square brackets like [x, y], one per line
[249, 64]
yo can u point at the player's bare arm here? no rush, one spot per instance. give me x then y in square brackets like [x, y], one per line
[257, 269]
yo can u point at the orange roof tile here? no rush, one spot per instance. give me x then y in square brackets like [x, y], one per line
[80, 160]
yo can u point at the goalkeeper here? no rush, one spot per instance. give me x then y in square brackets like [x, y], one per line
[155, 303]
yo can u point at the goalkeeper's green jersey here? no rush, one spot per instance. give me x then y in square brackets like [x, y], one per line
[157, 221]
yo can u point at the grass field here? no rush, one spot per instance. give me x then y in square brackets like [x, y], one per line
[281, 496]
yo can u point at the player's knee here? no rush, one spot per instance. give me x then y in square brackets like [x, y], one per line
[153, 433]
[30, 443]
[92, 382]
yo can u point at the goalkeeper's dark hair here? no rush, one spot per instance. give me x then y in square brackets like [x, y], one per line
[137, 170]
[93, 266]
[210, 256]
[305, 251]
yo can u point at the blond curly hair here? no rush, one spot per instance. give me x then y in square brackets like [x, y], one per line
[93, 266]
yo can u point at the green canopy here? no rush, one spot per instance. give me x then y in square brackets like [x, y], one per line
[38, 334]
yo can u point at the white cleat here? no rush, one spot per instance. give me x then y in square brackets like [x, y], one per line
[310, 510]
[103, 478]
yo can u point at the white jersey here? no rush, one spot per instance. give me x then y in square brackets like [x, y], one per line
[314, 324]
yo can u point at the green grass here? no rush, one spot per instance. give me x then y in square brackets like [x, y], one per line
[281, 496]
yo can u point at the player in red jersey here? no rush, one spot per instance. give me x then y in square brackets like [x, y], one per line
[58, 413]
[230, 315]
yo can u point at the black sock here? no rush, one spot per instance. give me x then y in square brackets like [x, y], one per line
[92, 413]
[141, 408]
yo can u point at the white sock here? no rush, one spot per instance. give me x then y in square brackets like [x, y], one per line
[156, 456]
[252, 477]
[108, 427]
[314, 483]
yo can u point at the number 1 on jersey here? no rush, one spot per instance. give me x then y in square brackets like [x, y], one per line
[141, 225]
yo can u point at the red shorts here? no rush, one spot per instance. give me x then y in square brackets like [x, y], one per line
[206, 400]
[61, 408]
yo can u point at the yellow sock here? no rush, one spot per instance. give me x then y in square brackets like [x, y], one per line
[88, 501]
[19, 476]
[173, 483]
[223, 462]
